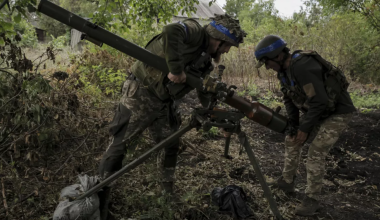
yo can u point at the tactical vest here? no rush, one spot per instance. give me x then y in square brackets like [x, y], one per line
[334, 81]
[197, 62]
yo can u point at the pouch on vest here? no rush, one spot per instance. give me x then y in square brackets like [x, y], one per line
[334, 79]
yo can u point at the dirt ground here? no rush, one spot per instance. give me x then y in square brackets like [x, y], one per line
[352, 178]
[350, 184]
[350, 190]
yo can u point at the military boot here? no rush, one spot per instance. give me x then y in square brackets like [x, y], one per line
[308, 207]
[167, 187]
[167, 182]
[104, 199]
[281, 184]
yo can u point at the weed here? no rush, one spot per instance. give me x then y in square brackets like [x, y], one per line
[253, 90]
[212, 133]
[270, 100]
[371, 100]
[241, 93]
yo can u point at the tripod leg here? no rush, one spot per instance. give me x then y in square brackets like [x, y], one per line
[227, 147]
[268, 194]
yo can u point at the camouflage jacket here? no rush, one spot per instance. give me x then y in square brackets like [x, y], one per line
[180, 44]
[306, 88]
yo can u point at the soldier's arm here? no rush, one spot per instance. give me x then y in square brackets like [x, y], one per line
[175, 37]
[309, 74]
[292, 110]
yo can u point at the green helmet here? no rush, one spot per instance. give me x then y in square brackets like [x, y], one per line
[268, 48]
[225, 28]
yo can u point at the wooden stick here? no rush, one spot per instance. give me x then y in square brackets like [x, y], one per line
[72, 155]
[4, 198]
[22, 200]
[192, 147]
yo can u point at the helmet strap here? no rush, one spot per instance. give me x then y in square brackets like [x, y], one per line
[221, 44]
[282, 62]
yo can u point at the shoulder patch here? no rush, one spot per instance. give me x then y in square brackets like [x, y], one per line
[309, 90]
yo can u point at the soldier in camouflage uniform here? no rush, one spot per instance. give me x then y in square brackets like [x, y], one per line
[146, 98]
[317, 88]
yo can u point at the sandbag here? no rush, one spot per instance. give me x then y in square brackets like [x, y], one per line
[86, 209]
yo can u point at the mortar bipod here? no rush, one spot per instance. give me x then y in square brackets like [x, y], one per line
[230, 121]
[205, 119]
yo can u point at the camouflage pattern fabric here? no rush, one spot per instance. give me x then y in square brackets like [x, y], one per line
[231, 24]
[326, 134]
[143, 104]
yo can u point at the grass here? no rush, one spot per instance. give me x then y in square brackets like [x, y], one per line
[212, 133]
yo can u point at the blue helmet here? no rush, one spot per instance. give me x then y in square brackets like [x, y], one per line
[268, 48]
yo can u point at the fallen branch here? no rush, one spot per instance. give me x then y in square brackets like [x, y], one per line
[187, 143]
[72, 154]
[21, 201]
[88, 154]
[4, 197]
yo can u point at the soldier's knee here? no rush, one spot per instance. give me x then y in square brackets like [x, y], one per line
[120, 120]
[316, 154]
[323, 143]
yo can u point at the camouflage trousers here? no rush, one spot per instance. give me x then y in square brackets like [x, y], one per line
[326, 134]
[149, 112]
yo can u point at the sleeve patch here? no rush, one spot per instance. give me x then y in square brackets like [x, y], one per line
[309, 90]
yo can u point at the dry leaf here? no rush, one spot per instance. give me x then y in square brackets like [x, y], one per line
[16, 151]
[27, 139]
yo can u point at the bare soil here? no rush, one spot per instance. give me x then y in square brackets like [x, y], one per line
[352, 178]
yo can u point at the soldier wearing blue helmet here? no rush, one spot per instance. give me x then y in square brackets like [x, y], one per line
[318, 89]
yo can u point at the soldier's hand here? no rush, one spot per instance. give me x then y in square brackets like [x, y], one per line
[301, 137]
[181, 78]
[291, 138]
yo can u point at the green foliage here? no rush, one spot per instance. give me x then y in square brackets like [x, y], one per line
[59, 42]
[212, 133]
[138, 33]
[253, 90]
[233, 7]
[345, 39]
[241, 93]
[23, 112]
[81, 8]
[370, 100]
[28, 34]
[14, 15]
[370, 9]
[101, 73]
[142, 13]
[270, 100]
[258, 12]
[35, 86]
[110, 81]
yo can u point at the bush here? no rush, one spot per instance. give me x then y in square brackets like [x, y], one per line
[28, 34]
[370, 100]
[59, 42]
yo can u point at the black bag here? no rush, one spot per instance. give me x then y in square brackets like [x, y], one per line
[232, 200]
